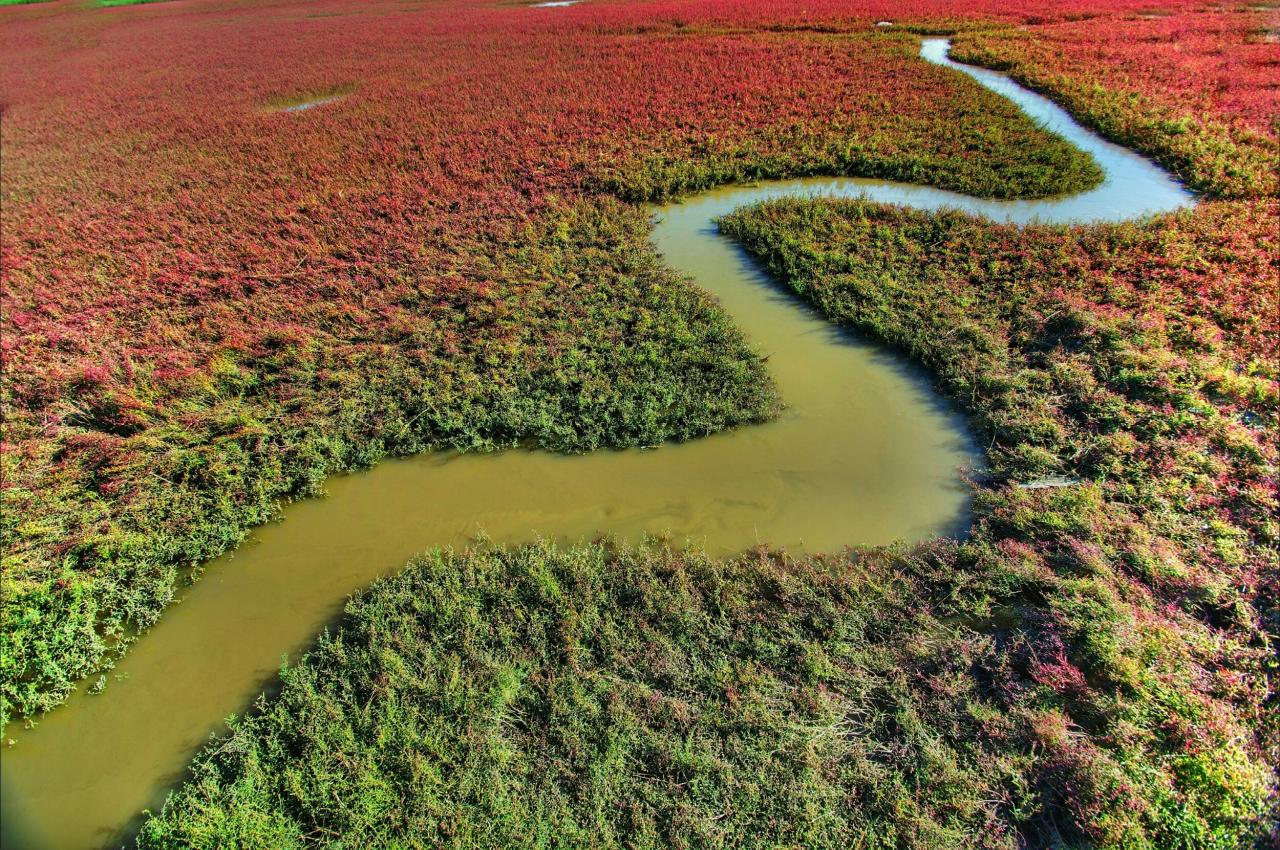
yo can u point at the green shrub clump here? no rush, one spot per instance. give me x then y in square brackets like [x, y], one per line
[638, 699]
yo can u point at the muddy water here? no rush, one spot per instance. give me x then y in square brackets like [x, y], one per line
[863, 454]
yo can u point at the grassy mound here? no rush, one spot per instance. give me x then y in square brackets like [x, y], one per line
[585, 698]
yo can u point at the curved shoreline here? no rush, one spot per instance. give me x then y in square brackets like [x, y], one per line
[254, 612]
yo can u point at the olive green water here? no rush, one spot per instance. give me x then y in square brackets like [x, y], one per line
[863, 454]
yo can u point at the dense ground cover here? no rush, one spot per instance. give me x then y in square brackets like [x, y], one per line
[1136, 601]
[1195, 90]
[1090, 668]
[208, 308]
[586, 698]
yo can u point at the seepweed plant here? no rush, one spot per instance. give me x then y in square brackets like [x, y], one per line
[639, 698]
[1125, 554]
[1089, 667]
[293, 316]
[1189, 90]
[1117, 695]
[618, 351]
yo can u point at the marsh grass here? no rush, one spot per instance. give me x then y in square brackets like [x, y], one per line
[609, 348]
[1092, 356]
[543, 321]
[997, 151]
[1088, 668]
[1216, 155]
[1092, 667]
[640, 698]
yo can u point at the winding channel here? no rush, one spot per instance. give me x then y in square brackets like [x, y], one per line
[864, 453]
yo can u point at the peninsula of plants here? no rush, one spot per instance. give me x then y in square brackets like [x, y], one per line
[640, 424]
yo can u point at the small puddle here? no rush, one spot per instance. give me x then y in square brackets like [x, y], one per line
[865, 453]
[311, 104]
[554, 3]
[310, 100]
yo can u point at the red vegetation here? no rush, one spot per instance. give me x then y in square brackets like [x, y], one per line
[1196, 88]
[166, 212]
[1218, 62]
[173, 242]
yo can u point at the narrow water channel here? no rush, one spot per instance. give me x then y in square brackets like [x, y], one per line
[864, 453]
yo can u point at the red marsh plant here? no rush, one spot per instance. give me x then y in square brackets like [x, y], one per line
[1195, 90]
[210, 306]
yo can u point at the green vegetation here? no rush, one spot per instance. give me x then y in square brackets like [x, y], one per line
[639, 699]
[208, 310]
[1089, 668]
[1136, 607]
[1223, 156]
[602, 347]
